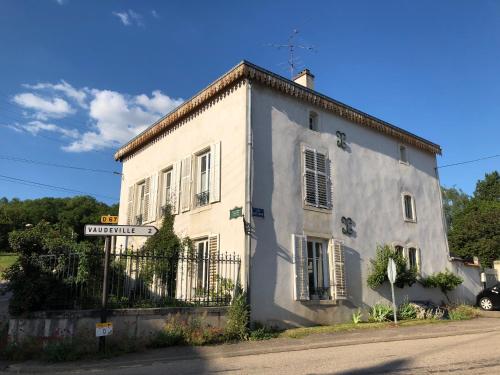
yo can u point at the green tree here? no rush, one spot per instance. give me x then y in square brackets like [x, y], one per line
[454, 202]
[476, 229]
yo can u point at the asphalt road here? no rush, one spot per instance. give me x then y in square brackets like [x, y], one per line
[463, 354]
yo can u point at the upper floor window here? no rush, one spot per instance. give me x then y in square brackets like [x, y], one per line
[313, 121]
[142, 202]
[403, 156]
[316, 179]
[167, 184]
[409, 208]
[203, 179]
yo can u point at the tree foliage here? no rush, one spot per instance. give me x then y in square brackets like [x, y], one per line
[476, 228]
[378, 273]
[72, 213]
[446, 281]
[454, 202]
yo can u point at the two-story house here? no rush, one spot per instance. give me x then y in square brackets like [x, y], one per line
[320, 185]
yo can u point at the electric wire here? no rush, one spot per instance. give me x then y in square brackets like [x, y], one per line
[468, 161]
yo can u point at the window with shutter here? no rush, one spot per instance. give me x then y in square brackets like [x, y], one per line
[337, 270]
[167, 185]
[130, 205]
[146, 200]
[317, 183]
[186, 184]
[215, 173]
[301, 280]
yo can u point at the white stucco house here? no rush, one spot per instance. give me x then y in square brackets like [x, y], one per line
[319, 183]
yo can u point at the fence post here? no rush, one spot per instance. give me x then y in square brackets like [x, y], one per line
[104, 301]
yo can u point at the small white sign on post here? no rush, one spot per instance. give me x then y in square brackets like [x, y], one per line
[103, 329]
[392, 274]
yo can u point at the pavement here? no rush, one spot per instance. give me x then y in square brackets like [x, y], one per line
[389, 348]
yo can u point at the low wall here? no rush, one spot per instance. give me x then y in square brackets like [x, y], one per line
[138, 325]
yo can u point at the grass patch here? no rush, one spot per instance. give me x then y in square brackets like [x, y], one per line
[7, 260]
[463, 312]
[297, 333]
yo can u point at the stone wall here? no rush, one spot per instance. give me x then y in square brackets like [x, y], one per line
[138, 325]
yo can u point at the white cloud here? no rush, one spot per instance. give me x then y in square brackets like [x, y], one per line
[43, 108]
[155, 14]
[35, 127]
[129, 17]
[77, 95]
[113, 118]
[60, 2]
[123, 16]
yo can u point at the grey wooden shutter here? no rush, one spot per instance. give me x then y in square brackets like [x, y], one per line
[146, 205]
[321, 179]
[337, 269]
[186, 184]
[130, 205]
[175, 188]
[214, 189]
[299, 254]
[309, 164]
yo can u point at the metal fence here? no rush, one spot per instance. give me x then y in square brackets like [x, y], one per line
[138, 279]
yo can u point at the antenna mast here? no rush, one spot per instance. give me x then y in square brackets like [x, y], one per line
[292, 46]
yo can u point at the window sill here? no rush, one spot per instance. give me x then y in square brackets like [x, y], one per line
[321, 302]
[404, 162]
[410, 221]
[201, 208]
[317, 209]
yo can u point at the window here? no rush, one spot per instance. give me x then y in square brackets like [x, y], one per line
[408, 208]
[203, 180]
[201, 268]
[317, 269]
[316, 179]
[313, 121]
[413, 262]
[140, 204]
[403, 157]
[399, 250]
[167, 183]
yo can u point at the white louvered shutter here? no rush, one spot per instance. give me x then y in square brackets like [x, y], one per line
[130, 205]
[329, 183]
[321, 180]
[186, 184]
[147, 195]
[309, 176]
[214, 189]
[337, 269]
[153, 197]
[213, 253]
[299, 254]
[175, 188]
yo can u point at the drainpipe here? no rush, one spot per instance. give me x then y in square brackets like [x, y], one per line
[248, 185]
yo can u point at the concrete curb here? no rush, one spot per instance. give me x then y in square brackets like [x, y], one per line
[332, 341]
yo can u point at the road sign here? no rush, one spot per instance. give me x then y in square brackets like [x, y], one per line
[392, 273]
[235, 213]
[119, 230]
[108, 219]
[391, 270]
[257, 212]
[103, 329]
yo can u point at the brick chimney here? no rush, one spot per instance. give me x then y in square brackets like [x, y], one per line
[305, 78]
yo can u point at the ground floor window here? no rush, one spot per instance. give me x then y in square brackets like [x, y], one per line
[201, 265]
[317, 269]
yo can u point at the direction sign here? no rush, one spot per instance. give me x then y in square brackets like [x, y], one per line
[108, 219]
[103, 329]
[391, 270]
[119, 230]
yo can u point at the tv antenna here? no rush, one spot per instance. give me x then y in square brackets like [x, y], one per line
[292, 47]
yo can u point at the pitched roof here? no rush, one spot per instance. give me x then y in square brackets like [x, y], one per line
[247, 70]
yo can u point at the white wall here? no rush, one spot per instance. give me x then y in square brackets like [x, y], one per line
[368, 180]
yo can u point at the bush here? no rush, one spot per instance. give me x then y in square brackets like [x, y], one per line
[446, 281]
[462, 312]
[357, 316]
[380, 312]
[407, 310]
[262, 332]
[378, 273]
[238, 317]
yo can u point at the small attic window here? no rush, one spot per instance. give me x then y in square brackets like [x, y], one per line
[403, 156]
[313, 121]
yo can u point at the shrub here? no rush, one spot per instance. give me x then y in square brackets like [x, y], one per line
[172, 334]
[407, 310]
[238, 317]
[262, 332]
[462, 312]
[357, 316]
[380, 312]
[378, 273]
[446, 281]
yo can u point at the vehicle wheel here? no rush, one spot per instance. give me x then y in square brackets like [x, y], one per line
[486, 303]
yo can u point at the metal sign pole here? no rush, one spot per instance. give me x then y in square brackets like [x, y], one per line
[392, 274]
[104, 301]
[394, 304]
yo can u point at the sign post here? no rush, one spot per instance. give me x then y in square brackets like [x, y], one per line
[392, 273]
[104, 328]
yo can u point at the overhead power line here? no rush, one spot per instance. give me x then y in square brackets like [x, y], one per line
[51, 187]
[468, 161]
[22, 160]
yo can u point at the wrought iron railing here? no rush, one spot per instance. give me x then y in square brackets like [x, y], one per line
[202, 199]
[138, 220]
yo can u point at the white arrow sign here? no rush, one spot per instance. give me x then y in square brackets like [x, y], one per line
[119, 230]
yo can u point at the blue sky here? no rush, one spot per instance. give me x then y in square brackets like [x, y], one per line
[77, 78]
